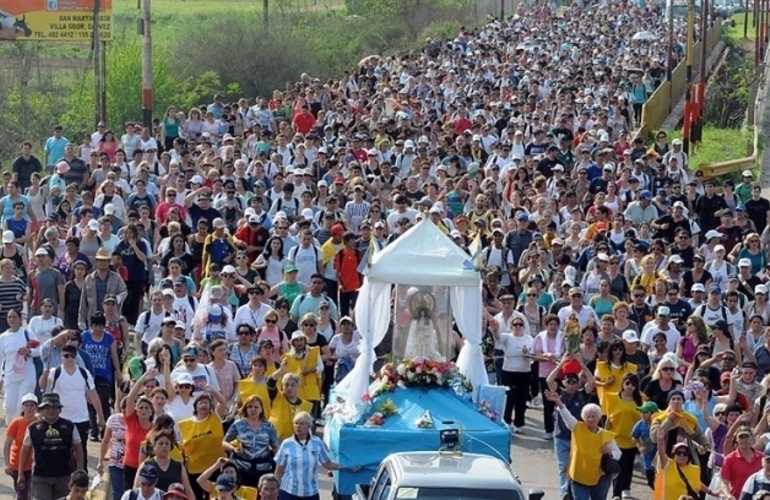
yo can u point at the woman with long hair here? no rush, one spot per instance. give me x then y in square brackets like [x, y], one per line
[695, 335]
[202, 436]
[138, 417]
[285, 323]
[272, 261]
[664, 379]
[609, 375]
[649, 275]
[170, 128]
[622, 416]
[109, 145]
[170, 469]
[135, 255]
[253, 441]
[225, 370]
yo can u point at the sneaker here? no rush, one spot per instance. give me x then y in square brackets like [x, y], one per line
[548, 436]
[512, 428]
[537, 402]
[519, 430]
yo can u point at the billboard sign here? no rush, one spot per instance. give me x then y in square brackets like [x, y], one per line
[54, 20]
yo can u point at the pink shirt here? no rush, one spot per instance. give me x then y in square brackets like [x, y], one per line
[279, 339]
[162, 211]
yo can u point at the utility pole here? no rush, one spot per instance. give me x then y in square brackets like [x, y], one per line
[265, 14]
[97, 51]
[147, 64]
[688, 96]
[698, 115]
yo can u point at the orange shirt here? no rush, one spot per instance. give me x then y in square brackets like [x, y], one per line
[135, 434]
[346, 263]
[16, 431]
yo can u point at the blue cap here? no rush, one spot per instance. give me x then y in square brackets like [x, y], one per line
[225, 483]
[190, 350]
[715, 288]
[537, 235]
[522, 216]
[215, 312]
[645, 195]
[148, 474]
[741, 208]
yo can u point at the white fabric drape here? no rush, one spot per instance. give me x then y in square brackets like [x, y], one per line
[467, 311]
[372, 320]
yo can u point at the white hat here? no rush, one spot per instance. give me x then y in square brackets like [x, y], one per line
[249, 212]
[603, 256]
[196, 179]
[297, 335]
[323, 151]
[280, 215]
[323, 183]
[41, 251]
[516, 157]
[476, 137]
[747, 173]
[698, 287]
[675, 259]
[608, 168]
[8, 236]
[228, 269]
[630, 336]
[676, 142]
[168, 291]
[254, 219]
[455, 234]
[307, 213]
[379, 225]
[227, 137]
[29, 397]
[713, 234]
[435, 210]
[744, 262]
[180, 324]
[419, 216]
[558, 168]
[219, 223]
[109, 209]
[409, 144]
[679, 204]
[93, 225]
[299, 171]
[760, 289]
[718, 248]
[184, 379]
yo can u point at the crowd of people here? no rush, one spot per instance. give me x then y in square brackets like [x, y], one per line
[184, 293]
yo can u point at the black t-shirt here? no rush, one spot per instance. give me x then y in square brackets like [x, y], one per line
[77, 170]
[679, 312]
[756, 210]
[598, 185]
[687, 254]
[689, 282]
[545, 167]
[641, 360]
[197, 213]
[415, 197]
[657, 395]
[746, 287]
[24, 170]
[673, 227]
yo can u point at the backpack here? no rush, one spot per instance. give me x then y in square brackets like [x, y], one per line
[279, 205]
[148, 313]
[292, 256]
[503, 256]
[702, 309]
[57, 373]
[304, 295]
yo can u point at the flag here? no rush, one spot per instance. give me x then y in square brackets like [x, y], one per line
[475, 249]
[366, 261]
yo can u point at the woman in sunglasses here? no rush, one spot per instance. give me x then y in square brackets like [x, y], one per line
[676, 476]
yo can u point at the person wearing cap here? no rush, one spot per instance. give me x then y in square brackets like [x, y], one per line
[641, 436]
[499, 255]
[229, 484]
[677, 476]
[148, 325]
[218, 247]
[58, 440]
[576, 306]
[251, 237]
[14, 439]
[252, 313]
[307, 257]
[743, 461]
[177, 491]
[641, 211]
[147, 477]
[662, 324]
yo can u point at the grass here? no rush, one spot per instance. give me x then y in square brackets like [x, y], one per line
[720, 144]
[733, 35]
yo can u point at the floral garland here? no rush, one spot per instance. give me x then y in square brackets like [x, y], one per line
[421, 373]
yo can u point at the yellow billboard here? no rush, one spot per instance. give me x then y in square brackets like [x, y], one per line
[54, 20]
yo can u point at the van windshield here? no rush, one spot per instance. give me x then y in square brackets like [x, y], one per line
[456, 494]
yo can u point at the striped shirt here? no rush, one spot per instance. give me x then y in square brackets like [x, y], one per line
[11, 295]
[300, 462]
[355, 213]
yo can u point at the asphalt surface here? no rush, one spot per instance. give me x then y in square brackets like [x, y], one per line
[534, 462]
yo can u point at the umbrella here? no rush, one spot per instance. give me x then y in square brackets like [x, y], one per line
[644, 35]
[365, 60]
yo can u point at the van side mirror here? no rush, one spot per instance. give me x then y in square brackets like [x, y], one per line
[536, 494]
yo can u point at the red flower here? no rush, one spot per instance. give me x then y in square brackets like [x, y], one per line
[32, 343]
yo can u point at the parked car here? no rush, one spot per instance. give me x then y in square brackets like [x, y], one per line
[435, 475]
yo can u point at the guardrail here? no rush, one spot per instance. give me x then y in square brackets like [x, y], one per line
[665, 98]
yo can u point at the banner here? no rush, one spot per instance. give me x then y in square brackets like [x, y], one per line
[54, 20]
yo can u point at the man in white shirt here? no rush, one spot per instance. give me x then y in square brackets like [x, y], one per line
[202, 375]
[75, 387]
[149, 322]
[306, 257]
[582, 312]
[661, 324]
[254, 311]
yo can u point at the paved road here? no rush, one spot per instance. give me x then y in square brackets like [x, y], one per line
[533, 460]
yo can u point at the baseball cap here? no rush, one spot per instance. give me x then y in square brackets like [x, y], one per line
[648, 407]
[196, 179]
[225, 483]
[760, 289]
[630, 336]
[743, 431]
[698, 287]
[664, 311]
[645, 195]
[744, 262]
[29, 397]
[713, 234]
[675, 259]
[8, 236]
[148, 474]
[720, 324]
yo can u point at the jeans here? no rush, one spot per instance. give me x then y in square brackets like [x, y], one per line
[106, 392]
[116, 481]
[22, 493]
[561, 447]
[516, 396]
[596, 492]
[549, 408]
[347, 302]
[332, 290]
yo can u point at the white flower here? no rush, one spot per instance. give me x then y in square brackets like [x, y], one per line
[401, 370]
[418, 370]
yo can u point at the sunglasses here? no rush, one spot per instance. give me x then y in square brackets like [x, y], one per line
[67, 356]
[518, 324]
[245, 332]
[189, 360]
[667, 369]
[682, 454]
[309, 325]
[271, 321]
[185, 386]
[719, 414]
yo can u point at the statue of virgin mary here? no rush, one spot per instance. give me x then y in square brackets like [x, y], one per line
[422, 339]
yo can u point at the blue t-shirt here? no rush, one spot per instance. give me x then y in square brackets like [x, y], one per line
[17, 226]
[642, 431]
[100, 354]
[7, 204]
[55, 149]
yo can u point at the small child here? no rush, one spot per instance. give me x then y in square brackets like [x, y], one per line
[647, 447]
[116, 263]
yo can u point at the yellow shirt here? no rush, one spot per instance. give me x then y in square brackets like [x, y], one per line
[647, 281]
[585, 454]
[282, 416]
[243, 493]
[247, 388]
[622, 416]
[201, 442]
[310, 386]
[603, 372]
[669, 484]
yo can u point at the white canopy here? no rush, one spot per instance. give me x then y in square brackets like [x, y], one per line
[421, 256]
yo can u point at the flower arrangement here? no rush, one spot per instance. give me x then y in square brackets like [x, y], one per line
[486, 409]
[425, 422]
[421, 373]
[388, 408]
